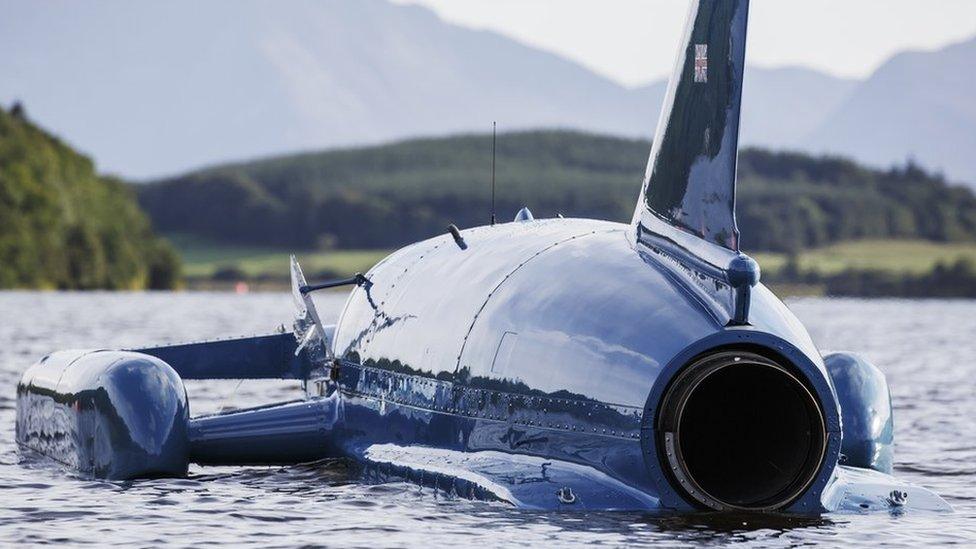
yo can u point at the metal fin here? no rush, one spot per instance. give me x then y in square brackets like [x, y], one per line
[689, 184]
[308, 328]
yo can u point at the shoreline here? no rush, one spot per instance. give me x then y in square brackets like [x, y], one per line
[784, 291]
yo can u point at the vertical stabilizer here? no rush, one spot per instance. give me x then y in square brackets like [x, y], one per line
[689, 185]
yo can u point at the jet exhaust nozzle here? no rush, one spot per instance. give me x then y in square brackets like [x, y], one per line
[740, 431]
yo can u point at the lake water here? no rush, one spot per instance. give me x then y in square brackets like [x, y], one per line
[927, 349]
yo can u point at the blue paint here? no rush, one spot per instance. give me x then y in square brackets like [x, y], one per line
[107, 414]
[690, 178]
[746, 338]
[259, 357]
[869, 430]
[293, 432]
[525, 362]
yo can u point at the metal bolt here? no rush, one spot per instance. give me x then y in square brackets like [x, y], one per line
[565, 495]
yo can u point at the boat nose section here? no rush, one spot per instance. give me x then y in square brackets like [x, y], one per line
[108, 414]
[142, 417]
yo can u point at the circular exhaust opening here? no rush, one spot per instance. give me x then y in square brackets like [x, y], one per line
[740, 431]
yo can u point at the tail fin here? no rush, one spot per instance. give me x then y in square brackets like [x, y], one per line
[690, 179]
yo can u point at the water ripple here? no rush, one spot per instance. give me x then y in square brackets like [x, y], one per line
[926, 349]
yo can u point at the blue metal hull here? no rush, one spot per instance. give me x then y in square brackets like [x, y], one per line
[107, 414]
[547, 363]
[562, 417]
[592, 352]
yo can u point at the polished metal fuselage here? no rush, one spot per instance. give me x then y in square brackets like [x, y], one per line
[550, 339]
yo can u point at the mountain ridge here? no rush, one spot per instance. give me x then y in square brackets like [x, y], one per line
[272, 81]
[159, 89]
[882, 122]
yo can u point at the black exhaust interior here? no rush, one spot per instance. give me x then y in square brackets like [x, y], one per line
[740, 431]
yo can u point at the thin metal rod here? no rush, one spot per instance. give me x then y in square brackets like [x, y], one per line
[357, 279]
[493, 173]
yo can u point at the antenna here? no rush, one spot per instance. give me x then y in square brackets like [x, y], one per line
[493, 173]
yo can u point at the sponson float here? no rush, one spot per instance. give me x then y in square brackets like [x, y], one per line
[559, 363]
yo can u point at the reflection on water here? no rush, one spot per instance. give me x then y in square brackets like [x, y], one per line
[927, 349]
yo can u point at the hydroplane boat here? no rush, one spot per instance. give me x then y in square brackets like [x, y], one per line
[546, 363]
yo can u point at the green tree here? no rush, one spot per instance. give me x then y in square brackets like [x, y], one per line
[63, 226]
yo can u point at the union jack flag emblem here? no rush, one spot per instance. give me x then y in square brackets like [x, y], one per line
[701, 62]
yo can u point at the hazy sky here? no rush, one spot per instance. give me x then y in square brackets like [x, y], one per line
[633, 41]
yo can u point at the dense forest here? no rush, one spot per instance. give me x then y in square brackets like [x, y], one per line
[389, 195]
[63, 226]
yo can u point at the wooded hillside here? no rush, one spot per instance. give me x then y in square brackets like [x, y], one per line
[62, 226]
[390, 195]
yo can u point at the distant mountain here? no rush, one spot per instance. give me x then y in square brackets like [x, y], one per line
[154, 88]
[781, 106]
[157, 88]
[918, 104]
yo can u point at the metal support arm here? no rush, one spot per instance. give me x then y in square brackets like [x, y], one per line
[358, 279]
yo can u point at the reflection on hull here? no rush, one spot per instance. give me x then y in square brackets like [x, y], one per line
[551, 364]
[550, 398]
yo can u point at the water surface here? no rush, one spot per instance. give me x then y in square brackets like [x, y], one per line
[927, 349]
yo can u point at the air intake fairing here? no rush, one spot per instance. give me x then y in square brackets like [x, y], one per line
[742, 421]
[738, 430]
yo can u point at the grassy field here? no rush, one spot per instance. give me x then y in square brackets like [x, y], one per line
[902, 256]
[203, 259]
